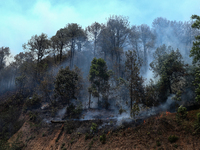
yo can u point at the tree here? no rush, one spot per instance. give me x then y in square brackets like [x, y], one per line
[98, 76]
[61, 40]
[119, 27]
[135, 81]
[56, 48]
[113, 38]
[24, 71]
[66, 84]
[20, 82]
[160, 27]
[74, 34]
[188, 36]
[38, 45]
[104, 41]
[169, 66]
[134, 38]
[94, 31]
[196, 56]
[196, 45]
[4, 53]
[147, 40]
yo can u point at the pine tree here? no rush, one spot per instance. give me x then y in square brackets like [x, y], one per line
[99, 77]
[132, 69]
[196, 56]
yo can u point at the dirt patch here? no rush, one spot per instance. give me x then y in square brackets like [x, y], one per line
[152, 133]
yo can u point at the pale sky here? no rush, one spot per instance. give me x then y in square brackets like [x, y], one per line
[21, 19]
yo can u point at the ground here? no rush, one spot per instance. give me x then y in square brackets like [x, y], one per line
[152, 133]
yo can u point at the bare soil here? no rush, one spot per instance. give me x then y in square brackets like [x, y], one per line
[150, 134]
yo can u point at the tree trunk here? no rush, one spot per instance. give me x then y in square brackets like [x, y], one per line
[89, 99]
[95, 43]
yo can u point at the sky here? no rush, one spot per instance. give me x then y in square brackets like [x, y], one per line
[21, 19]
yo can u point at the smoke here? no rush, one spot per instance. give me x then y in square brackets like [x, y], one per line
[61, 112]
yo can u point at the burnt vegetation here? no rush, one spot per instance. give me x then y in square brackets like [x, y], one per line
[114, 67]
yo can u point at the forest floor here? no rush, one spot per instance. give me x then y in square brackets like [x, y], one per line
[152, 133]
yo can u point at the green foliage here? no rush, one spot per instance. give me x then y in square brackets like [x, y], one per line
[90, 145]
[182, 112]
[20, 81]
[43, 134]
[63, 144]
[196, 45]
[86, 136]
[32, 116]
[196, 56]
[169, 66]
[33, 101]
[198, 117]
[135, 110]
[135, 80]
[151, 94]
[4, 145]
[69, 127]
[38, 45]
[175, 145]
[121, 111]
[66, 84]
[197, 124]
[197, 85]
[172, 138]
[74, 110]
[78, 109]
[177, 97]
[158, 143]
[99, 76]
[103, 139]
[93, 127]
[46, 87]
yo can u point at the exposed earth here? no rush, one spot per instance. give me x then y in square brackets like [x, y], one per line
[152, 133]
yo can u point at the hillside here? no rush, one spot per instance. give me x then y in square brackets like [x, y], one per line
[152, 133]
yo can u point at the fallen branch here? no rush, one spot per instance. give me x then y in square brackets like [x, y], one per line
[58, 121]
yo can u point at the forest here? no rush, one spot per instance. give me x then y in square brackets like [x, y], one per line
[106, 66]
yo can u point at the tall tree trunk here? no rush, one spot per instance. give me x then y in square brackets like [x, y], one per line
[89, 99]
[95, 43]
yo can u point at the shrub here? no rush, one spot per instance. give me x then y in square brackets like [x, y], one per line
[197, 124]
[103, 139]
[175, 145]
[93, 127]
[86, 136]
[172, 138]
[121, 111]
[63, 144]
[182, 112]
[43, 134]
[69, 127]
[32, 116]
[198, 117]
[90, 145]
[158, 143]
[33, 101]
